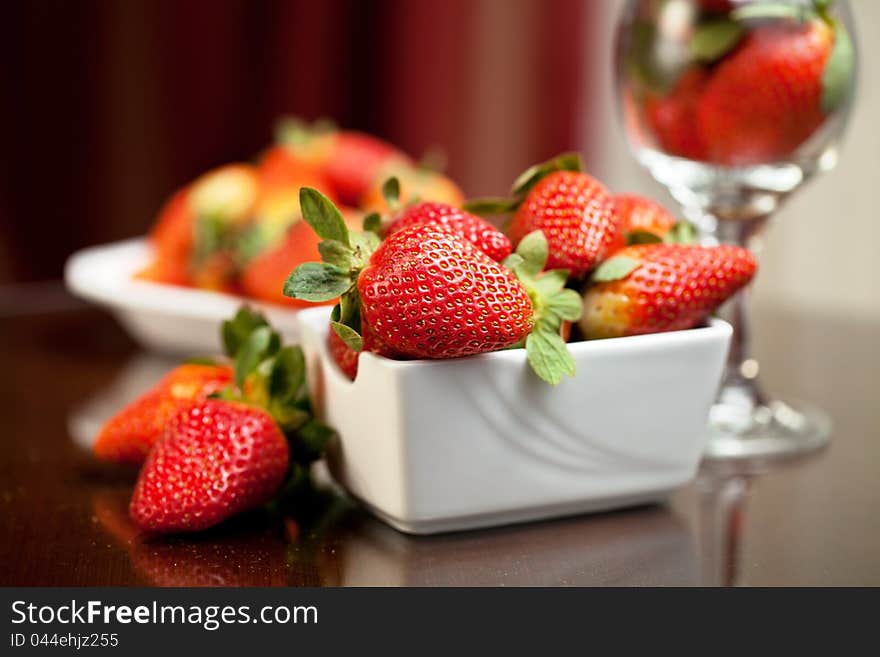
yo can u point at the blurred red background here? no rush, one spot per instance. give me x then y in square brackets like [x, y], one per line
[111, 105]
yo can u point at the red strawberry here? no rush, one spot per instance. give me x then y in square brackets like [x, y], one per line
[416, 183]
[216, 459]
[347, 358]
[343, 355]
[263, 278]
[765, 99]
[673, 117]
[476, 230]
[651, 288]
[280, 167]
[638, 213]
[129, 435]
[574, 212]
[356, 161]
[429, 293]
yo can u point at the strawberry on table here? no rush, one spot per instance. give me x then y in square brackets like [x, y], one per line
[650, 288]
[230, 452]
[129, 435]
[476, 230]
[216, 459]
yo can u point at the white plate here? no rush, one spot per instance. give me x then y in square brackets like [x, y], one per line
[165, 318]
[435, 446]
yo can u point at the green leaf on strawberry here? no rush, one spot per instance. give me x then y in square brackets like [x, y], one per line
[838, 75]
[642, 237]
[714, 39]
[349, 336]
[391, 193]
[373, 223]
[323, 216]
[614, 269]
[552, 302]
[271, 376]
[490, 206]
[683, 232]
[317, 281]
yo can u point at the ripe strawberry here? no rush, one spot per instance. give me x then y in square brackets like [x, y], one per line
[263, 278]
[279, 166]
[429, 293]
[673, 116]
[476, 230]
[344, 356]
[765, 98]
[129, 435]
[638, 213]
[574, 212]
[651, 288]
[416, 184]
[356, 161]
[216, 459]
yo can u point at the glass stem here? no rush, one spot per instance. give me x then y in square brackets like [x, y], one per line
[742, 368]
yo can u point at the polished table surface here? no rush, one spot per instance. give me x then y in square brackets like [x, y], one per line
[814, 521]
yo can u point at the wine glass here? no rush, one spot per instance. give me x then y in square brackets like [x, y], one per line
[733, 105]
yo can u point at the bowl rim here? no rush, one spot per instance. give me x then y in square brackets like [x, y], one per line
[714, 328]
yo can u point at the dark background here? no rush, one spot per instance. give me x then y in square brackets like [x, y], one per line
[110, 105]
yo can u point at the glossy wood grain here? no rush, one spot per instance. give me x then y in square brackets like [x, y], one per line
[63, 517]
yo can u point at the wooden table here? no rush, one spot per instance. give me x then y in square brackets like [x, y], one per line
[63, 520]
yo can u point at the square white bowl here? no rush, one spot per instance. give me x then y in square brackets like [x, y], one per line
[434, 446]
[165, 318]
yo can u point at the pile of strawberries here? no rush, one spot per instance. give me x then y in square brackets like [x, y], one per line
[216, 439]
[432, 281]
[760, 80]
[237, 228]
[427, 280]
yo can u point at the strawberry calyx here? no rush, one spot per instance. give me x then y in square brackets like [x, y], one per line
[682, 232]
[344, 254]
[522, 186]
[553, 304]
[295, 134]
[272, 376]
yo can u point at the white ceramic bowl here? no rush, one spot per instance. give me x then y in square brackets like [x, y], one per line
[432, 446]
[164, 318]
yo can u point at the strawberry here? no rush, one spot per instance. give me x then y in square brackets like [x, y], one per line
[263, 278]
[416, 184]
[673, 116]
[222, 202]
[638, 214]
[231, 452]
[281, 167]
[650, 288]
[426, 292]
[574, 212]
[476, 230]
[216, 459]
[572, 209]
[129, 435]
[429, 293]
[356, 161]
[346, 358]
[765, 98]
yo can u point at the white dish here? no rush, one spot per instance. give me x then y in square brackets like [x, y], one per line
[165, 318]
[433, 446]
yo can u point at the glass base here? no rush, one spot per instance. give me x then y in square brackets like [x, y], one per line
[742, 429]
